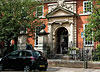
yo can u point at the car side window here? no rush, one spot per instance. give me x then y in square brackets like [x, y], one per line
[14, 54]
[36, 54]
[24, 53]
[28, 54]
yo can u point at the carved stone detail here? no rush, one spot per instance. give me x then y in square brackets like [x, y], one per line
[60, 3]
[68, 5]
[51, 7]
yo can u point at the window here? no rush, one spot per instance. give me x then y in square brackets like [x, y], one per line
[87, 7]
[36, 54]
[14, 54]
[36, 40]
[39, 11]
[87, 42]
[24, 53]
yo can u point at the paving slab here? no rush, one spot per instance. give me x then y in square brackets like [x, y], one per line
[64, 69]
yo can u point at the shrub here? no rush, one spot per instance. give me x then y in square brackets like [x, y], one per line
[96, 53]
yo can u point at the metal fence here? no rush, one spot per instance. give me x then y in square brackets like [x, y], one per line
[83, 53]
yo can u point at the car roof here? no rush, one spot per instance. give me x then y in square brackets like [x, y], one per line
[29, 50]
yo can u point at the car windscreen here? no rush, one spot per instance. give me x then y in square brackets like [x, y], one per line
[36, 54]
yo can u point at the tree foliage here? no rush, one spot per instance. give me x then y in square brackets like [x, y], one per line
[93, 28]
[96, 53]
[15, 14]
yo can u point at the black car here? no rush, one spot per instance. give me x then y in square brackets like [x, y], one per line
[24, 59]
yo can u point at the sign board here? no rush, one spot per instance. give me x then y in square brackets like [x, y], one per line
[82, 34]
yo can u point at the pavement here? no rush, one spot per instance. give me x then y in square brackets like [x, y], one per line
[74, 64]
[61, 69]
[64, 69]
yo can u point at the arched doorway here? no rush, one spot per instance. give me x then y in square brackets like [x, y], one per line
[62, 40]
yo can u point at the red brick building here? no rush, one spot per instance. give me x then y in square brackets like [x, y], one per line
[65, 22]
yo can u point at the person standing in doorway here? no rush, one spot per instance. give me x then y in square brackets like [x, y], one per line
[63, 45]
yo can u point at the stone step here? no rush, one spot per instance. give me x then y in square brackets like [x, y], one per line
[65, 57]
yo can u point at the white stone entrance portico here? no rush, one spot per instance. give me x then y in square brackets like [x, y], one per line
[64, 19]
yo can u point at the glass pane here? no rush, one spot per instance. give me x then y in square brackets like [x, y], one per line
[39, 11]
[28, 54]
[36, 54]
[14, 54]
[87, 7]
[87, 42]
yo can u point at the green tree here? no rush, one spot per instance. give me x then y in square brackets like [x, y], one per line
[16, 14]
[93, 28]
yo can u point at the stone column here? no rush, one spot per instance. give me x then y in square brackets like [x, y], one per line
[71, 32]
[22, 40]
[75, 32]
[50, 36]
[71, 35]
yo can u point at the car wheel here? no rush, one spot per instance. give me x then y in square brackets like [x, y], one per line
[1, 67]
[45, 69]
[26, 68]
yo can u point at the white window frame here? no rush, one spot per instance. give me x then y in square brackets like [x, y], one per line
[84, 8]
[85, 39]
[42, 11]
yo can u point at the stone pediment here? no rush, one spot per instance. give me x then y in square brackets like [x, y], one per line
[60, 12]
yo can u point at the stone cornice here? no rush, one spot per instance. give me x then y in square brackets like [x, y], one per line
[61, 16]
[84, 14]
[49, 15]
[60, 22]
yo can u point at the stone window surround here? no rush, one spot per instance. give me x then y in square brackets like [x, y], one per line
[42, 12]
[87, 13]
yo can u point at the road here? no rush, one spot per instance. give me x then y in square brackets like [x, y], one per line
[61, 69]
